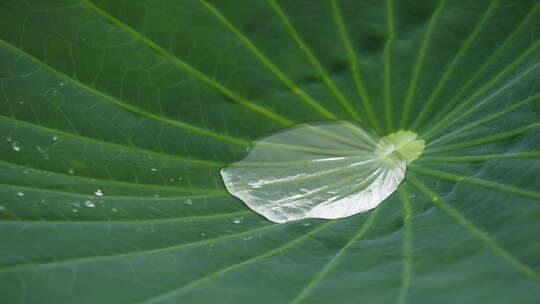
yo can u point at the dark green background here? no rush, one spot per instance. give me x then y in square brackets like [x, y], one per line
[147, 100]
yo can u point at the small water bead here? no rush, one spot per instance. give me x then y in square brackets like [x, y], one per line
[189, 202]
[89, 204]
[55, 137]
[21, 194]
[43, 153]
[16, 146]
[203, 234]
[75, 210]
[98, 192]
[114, 210]
[71, 171]
[2, 208]
[153, 169]
[9, 139]
[238, 220]
[305, 224]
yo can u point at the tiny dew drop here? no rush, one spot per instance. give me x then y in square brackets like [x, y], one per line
[238, 220]
[89, 203]
[16, 146]
[71, 171]
[43, 153]
[98, 192]
[20, 194]
[2, 208]
[189, 202]
[327, 170]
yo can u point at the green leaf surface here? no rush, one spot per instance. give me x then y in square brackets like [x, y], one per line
[116, 117]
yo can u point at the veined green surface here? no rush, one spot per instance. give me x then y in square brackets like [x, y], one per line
[116, 117]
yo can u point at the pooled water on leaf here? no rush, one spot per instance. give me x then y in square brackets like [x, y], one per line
[326, 170]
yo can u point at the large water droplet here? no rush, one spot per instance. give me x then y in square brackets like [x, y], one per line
[326, 170]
